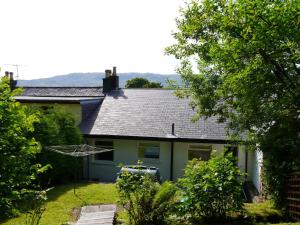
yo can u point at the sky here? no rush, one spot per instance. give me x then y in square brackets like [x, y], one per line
[55, 37]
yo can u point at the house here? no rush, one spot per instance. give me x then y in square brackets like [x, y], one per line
[150, 125]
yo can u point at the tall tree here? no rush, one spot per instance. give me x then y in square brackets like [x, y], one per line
[247, 54]
[140, 82]
[17, 149]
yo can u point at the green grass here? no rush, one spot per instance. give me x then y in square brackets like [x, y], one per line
[61, 201]
[256, 214]
[265, 213]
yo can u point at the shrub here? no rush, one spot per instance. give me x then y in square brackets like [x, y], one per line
[17, 150]
[211, 189]
[57, 127]
[35, 206]
[146, 201]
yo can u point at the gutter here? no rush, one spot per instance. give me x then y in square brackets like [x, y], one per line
[166, 139]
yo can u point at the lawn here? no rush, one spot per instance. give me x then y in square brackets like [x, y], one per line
[61, 201]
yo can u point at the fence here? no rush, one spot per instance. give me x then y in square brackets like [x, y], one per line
[293, 195]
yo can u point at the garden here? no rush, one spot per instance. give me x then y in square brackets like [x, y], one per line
[209, 193]
[247, 58]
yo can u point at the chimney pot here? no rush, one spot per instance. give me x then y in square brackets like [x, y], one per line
[12, 82]
[114, 71]
[107, 73]
[11, 75]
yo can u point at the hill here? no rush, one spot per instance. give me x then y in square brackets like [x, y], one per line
[94, 79]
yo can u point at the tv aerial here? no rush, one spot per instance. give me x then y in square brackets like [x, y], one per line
[17, 68]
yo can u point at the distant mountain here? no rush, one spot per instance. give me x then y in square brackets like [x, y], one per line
[94, 79]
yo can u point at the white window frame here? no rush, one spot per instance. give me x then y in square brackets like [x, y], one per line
[108, 162]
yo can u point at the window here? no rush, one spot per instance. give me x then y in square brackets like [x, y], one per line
[149, 150]
[199, 151]
[107, 156]
[233, 150]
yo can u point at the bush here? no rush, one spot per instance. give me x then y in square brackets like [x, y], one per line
[17, 150]
[146, 201]
[57, 127]
[211, 189]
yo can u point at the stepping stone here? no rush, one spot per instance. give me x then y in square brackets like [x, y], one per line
[97, 215]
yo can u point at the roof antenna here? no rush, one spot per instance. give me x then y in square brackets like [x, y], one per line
[17, 68]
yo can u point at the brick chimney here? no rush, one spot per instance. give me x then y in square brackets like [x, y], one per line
[111, 80]
[12, 82]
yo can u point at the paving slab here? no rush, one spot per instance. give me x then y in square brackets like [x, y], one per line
[97, 215]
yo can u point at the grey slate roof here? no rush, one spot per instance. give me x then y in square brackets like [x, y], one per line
[62, 91]
[54, 99]
[149, 113]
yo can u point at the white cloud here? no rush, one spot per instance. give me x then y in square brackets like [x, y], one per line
[54, 37]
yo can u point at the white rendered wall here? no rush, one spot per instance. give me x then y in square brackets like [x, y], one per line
[126, 153]
[256, 170]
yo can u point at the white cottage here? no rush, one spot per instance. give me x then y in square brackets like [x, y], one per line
[150, 125]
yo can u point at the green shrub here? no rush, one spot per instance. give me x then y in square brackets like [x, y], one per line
[35, 206]
[57, 127]
[17, 150]
[146, 201]
[210, 189]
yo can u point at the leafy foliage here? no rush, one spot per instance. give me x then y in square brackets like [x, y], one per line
[57, 127]
[36, 205]
[247, 55]
[140, 82]
[144, 199]
[211, 189]
[17, 150]
[281, 153]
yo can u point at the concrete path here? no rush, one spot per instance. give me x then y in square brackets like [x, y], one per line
[97, 215]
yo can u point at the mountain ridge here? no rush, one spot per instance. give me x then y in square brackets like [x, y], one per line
[94, 79]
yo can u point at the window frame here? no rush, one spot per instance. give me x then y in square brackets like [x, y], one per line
[142, 156]
[101, 160]
[200, 148]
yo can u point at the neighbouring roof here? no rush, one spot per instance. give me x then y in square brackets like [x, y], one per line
[62, 91]
[149, 113]
[60, 94]
[54, 99]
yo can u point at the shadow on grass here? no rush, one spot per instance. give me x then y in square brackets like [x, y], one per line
[59, 190]
[255, 213]
[239, 221]
[52, 195]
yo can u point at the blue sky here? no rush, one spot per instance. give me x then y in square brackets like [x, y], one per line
[52, 37]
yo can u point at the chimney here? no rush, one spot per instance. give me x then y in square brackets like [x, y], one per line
[107, 73]
[114, 71]
[12, 82]
[111, 80]
[10, 76]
